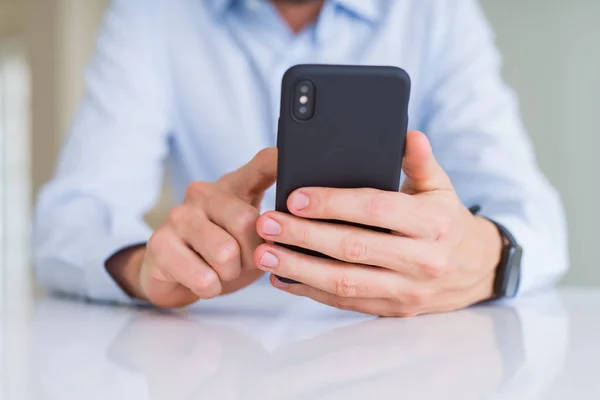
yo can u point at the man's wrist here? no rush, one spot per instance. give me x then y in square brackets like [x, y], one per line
[491, 242]
[125, 268]
[488, 246]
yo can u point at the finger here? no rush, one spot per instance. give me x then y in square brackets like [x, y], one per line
[423, 173]
[413, 303]
[332, 276]
[238, 219]
[415, 258]
[372, 306]
[217, 247]
[398, 212]
[255, 177]
[173, 275]
[185, 267]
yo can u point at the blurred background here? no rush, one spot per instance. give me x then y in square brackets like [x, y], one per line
[552, 59]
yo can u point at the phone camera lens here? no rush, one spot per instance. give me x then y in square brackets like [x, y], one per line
[303, 102]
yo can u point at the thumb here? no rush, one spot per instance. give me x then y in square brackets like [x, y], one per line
[423, 173]
[254, 178]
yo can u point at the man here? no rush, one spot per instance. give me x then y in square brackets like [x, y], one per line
[195, 84]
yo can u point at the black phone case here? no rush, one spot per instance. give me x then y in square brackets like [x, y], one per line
[356, 137]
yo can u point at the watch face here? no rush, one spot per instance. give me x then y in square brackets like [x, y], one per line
[513, 271]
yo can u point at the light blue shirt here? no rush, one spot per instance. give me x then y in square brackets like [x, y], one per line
[194, 86]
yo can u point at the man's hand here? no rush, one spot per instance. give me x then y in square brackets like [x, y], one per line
[438, 257]
[206, 246]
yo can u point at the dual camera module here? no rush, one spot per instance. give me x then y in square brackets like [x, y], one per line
[304, 100]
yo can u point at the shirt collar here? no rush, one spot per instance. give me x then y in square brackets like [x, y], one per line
[219, 7]
[366, 9]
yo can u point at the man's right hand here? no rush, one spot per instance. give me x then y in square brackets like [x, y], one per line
[206, 246]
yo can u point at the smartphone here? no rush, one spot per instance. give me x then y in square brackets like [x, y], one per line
[341, 126]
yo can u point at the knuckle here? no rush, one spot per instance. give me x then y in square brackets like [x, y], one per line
[207, 287]
[159, 241]
[416, 298]
[301, 234]
[394, 294]
[197, 223]
[434, 266]
[380, 205]
[324, 202]
[305, 239]
[177, 215]
[345, 287]
[354, 249]
[245, 221]
[197, 190]
[227, 252]
[290, 269]
[432, 271]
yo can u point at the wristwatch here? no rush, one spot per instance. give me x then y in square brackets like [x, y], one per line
[508, 271]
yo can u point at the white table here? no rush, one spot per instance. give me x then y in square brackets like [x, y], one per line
[265, 344]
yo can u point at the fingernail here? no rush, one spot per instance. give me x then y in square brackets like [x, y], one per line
[269, 260]
[271, 227]
[299, 201]
[279, 284]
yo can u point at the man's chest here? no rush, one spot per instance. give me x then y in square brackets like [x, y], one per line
[226, 82]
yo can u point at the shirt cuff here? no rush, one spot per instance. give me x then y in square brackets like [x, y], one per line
[99, 283]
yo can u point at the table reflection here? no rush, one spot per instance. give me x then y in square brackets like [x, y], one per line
[253, 347]
[182, 358]
[469, 354]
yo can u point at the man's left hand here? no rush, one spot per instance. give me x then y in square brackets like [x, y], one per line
[437, 257]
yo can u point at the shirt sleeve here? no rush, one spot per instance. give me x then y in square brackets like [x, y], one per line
[475, 128]
[110, 168]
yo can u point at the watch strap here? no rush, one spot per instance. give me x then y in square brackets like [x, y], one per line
[509, 263]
